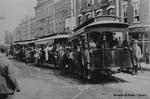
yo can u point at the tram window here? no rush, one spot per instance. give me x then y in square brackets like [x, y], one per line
[106, 39]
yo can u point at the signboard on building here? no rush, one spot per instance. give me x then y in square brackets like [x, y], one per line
[70, 23]
[137, 29]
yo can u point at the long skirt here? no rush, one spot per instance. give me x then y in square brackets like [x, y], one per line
[6, 96]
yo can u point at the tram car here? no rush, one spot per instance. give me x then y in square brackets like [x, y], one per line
[97, 47]
[56, 43]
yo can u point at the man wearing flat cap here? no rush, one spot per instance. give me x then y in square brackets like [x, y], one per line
[135, 56]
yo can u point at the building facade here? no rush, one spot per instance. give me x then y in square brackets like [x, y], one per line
[41, 17]
[64, 16]
[137, 14]
[32, 23]
[54, 16]
[87, 9]
[139, 19]
[26, 29]
[45, 17]
[17, 34]
[8, 38]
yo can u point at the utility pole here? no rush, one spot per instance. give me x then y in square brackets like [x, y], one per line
[1, 17]
[29, 32]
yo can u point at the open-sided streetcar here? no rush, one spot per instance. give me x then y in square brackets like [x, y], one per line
[97, 46]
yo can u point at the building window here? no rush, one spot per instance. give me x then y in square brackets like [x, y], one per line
[99, 12]
[124, 10]
[80, 19]
[111, 10]
[88, 16]
[90, 3]
[99, 1]
[136, 11]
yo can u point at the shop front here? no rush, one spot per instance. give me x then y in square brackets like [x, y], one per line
[142, 34]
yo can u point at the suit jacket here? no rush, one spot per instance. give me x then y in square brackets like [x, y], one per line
[8, 83]
[137, 52]
[135, 55]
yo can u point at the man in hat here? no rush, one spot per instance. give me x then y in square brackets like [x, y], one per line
[135, 56]
[8, 83]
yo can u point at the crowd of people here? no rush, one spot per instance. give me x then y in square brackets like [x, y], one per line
[38, 54]
[57, 53]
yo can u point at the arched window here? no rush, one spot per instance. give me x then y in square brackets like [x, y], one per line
[88, 15]
[99, 12]
[111, 10]
[80, 18]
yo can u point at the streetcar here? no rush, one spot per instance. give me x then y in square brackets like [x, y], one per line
[57, 41]
[21, 49]
[97, 47]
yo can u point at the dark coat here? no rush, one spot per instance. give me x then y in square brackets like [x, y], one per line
[8, 83]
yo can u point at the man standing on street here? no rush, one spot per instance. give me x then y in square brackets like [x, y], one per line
[8, 83]
[135, 56]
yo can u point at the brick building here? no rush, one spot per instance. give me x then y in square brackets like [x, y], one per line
[32, 28]
[87, 9]
[8, 38]
[137, 14]
[25, 30]
[17, 34]
[54, 16]
[41, 16]
[65, 15]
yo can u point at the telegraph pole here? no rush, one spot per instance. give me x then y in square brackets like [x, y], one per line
[1, 17]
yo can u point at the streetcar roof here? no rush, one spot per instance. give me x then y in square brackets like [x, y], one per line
[105, 23]
[24, 42]
[80, 31]
[50, 39]
[101, 24]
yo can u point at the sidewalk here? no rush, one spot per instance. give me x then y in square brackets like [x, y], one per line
[145, 66]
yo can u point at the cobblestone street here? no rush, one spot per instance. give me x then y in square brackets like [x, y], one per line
[47, 83]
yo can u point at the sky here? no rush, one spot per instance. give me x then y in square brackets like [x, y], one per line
[14, 11]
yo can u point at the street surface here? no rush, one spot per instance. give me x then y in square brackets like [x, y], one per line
[47, 83]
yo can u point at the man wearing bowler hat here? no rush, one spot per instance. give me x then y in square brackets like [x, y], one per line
[135, 56]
